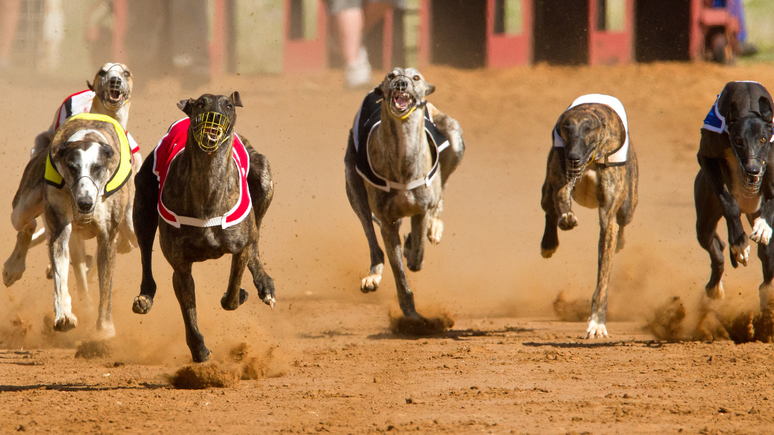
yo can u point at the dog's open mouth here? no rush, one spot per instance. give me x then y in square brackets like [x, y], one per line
[401, 102]
[211, 129]
[115, 93]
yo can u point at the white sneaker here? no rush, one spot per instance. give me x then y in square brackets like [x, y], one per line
[358, 73]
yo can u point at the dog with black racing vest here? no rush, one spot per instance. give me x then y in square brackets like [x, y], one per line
[733, 156]
[593, 162]
[400, 154]
[110, 94]
[206, 190]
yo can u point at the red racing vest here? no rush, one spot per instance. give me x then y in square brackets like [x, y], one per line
[170, 146]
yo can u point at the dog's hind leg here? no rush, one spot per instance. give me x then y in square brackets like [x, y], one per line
[708, 213]
[16, 264]
[79, 262]
[261, 192]
[391, 237]
[764, 326]
[106, 260]
[414, 249]
[451, 157]
[235, 295]
[146, 222]
[607, 243]
[185, 291]
[358, 199]
[59, 255]
[626, 212]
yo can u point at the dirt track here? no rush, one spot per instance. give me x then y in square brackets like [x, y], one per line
[326, 359]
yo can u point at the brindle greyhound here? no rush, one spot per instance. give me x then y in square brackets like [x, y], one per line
[197, 217]
[110, 95]
[592, 162]
[400, 159]
[733, 154]
[88, 192]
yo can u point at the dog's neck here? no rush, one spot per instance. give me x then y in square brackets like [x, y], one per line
[212, 177]
[121, 114]
[404, 154]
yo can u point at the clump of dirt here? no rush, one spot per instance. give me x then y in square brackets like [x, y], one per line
[201, 376]
[15, 337]
[91, 349]
[577, 310]
[422, 326]
[251, 366]
[667, 321]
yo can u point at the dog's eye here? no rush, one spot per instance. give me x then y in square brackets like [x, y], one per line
[126, 74]
[416, 78]
[200, 105]
[229, 107]
[391, 75]
[739, 141]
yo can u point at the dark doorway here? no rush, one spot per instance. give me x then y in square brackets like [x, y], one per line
[662, 30]
[562, 31]
[458, 33]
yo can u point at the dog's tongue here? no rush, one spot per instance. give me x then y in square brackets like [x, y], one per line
[401, 102]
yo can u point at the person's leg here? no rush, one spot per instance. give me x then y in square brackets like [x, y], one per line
[349, 23]
[9, 18]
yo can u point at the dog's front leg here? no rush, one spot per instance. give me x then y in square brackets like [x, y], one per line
[391, 237]
[235, 295]
[78, 259]
[415, 242]
[106, 260]
[262, 281]
[185, 291]
[549, 203]
[146, 222]
[59, 256]
[737, 239]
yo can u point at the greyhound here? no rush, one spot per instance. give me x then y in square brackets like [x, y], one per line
[593, 162]
[110, 95]
[88, 192]
[397, 164]
[733, 154]
[206, 190]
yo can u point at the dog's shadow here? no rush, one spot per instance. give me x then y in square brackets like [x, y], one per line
[454, 334]
[600, 344]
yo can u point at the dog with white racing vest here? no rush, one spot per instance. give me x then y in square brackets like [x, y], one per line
[110, 94]
[400, 154]
[733, 156]
[592, 162]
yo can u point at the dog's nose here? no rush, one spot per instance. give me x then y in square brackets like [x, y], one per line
[85, 205]
[574, 158]
[400, 85]
[753, 168]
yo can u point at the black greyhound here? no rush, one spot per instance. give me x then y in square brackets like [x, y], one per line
[189, 193]
[733, 154]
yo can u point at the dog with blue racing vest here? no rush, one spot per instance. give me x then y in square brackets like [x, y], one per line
[733, 156]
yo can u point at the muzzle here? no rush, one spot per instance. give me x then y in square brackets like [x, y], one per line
[751, 182]
[211, 130]
[574, 170]
[115, 90]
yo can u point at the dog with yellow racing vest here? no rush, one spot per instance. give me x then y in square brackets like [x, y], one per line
[89, 191]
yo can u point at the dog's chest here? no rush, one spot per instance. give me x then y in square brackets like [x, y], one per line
[733, 183]
[585, 191]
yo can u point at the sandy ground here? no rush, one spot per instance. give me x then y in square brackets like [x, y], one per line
[324, 360]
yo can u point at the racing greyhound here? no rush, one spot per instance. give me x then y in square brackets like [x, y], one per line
[397, 163]
[593, 162]
[734, 152]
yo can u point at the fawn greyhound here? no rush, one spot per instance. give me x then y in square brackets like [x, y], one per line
[397, 163]
[591, 161]
[733, 155]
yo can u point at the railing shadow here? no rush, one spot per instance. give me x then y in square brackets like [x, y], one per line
[454, 334]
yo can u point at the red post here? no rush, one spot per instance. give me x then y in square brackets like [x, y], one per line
[120, 23]
[219, 40]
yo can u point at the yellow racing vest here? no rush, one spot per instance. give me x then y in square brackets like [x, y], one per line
[120, 177]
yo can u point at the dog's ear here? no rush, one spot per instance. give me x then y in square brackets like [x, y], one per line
[733, 114]
[765, 107]
[186, 105]
[91, 88]
[107, 149]
[378, 91]
[235, 99]
[430, 89]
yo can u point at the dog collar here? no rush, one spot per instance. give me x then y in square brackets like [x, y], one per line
[421, 104]
[122, 173]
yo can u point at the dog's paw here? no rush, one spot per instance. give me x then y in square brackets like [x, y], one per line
[547, 253]
[741, 253]
[65, 322]
[434, 230]
[265, 286]
[371, 282]
[761, 232]
[49, 272]
[568, 221]
[105, 330]
[13, 271]
[142, 304]
[224, 302]
[715, 291]
[596, 330]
